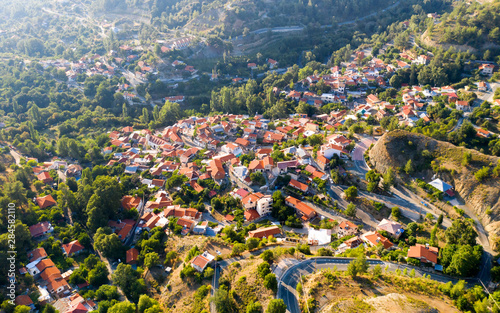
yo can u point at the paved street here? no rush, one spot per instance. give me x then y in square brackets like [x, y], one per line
[284, 29]
[17, 157]
[488, 96]
[411, 205]
[360, 166]
[289, 279]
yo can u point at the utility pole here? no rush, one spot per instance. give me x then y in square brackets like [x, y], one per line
[489, 294]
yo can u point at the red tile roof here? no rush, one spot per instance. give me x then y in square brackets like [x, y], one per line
[264, 232]
[39, 229]
[128, 129]
[425, 254]
[242, 142]
[56, 284]
[218, 171]
[130, 202]
[79, 308]
[38, 253]
[251, 215]
[158, 182]
[255, 165]
[45, 202]
[124, 232]
[43, 264]
[72, 247]
[301, 206]
[375, 238]
[200, 261]
[184, 222]
[298, 185]
[322, 159]
[45, 177]
[132, 255]
[251, 198]
[346, 225]
[50, 273]
[242, 193]
[23, 300]
[265, 151]
[191, 212]
[196, 186]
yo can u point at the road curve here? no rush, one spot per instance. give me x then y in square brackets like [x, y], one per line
[283, 29]
[358, 156]
[289, 279]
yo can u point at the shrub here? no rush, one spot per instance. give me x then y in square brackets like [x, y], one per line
[209, 272]
[495, 273]
[324, 252]
[351, 193]
[396, 213]
[377, 271]
[263, 269]
[270, 282]
[482, 174]
[304, 248]
[299, 288]
[267, 256]
[413, 261]
[350, 210]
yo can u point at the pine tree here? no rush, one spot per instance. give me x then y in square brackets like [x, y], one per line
[409, 167]
[145, 116]
[124, 110]
[156, 113]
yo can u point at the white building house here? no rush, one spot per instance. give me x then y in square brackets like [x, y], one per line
[328, 98]
[232, 148]
[486, 69]
[264, 205]
[201, 261]
[329, 150]
[319, 237]
[32, 269]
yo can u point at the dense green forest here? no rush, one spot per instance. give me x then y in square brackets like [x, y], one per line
[62, 29]
[475, 25]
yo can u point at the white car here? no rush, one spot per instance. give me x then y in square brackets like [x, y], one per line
[218, 252]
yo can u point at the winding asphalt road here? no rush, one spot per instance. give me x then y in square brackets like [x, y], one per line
[285, 29]
[289, 279]
[411, 204]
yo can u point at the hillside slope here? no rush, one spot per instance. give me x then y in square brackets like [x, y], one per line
[470, 26]
[395, 148]
[331, 291]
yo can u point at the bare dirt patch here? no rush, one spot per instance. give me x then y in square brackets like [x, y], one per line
[335, 292]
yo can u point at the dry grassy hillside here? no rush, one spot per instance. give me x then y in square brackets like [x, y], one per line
[331, 291]
[6, 160]
[395, 148]
[178, 295]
